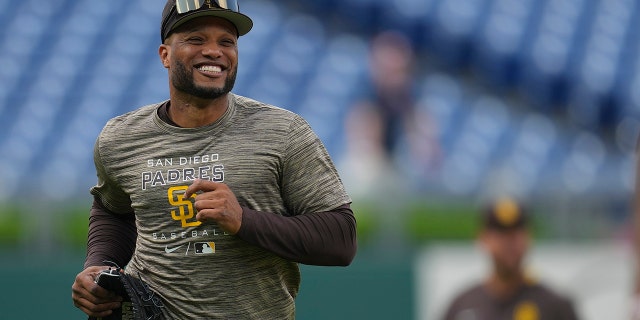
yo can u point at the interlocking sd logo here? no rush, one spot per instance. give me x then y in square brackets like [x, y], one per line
[186, 213]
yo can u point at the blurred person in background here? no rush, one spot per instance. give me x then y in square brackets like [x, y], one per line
[248, 183]
[508, 292]
[391, 63]
[388, 123]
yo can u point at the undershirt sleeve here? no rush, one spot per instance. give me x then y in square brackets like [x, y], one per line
[112, 237]
[321, 238]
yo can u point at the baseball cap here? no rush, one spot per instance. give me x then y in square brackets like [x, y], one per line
[505, 214]
[177, 12]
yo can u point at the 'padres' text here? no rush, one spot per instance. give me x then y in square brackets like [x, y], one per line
[207, 171]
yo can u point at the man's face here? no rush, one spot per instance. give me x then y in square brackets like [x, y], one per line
[202, 57]
[507, 249]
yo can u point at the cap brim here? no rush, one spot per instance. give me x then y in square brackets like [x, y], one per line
[243, 23]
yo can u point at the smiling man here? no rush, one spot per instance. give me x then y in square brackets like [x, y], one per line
[221, 238]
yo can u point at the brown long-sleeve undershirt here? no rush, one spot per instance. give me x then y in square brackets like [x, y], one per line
[322, 238]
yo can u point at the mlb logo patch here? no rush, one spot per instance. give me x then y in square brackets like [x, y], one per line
[205, 247]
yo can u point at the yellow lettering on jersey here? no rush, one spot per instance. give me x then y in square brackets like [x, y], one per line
[526, 311]
[185, 210]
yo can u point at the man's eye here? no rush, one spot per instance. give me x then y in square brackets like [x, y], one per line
[228, 42]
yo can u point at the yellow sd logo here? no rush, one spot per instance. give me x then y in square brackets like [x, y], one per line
[526, 311]
[185, 210]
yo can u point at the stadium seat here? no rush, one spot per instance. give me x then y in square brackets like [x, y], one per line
[500, 41]
[455, 24]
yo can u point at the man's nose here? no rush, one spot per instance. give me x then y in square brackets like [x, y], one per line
[213, 50]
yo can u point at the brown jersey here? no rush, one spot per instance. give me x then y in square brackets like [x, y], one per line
[531, 302]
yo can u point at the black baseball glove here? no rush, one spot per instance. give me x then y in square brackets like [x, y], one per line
[138, 301]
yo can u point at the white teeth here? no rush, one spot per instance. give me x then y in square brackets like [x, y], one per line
[210, 69]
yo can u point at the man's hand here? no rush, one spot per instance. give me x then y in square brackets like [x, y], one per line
[216, 203]
[91, 298]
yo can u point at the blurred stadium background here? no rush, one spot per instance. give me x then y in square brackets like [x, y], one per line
[536, 98]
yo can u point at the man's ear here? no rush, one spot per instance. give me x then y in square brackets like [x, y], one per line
[163, 52]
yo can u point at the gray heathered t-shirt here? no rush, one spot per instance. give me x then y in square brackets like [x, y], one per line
[272, 161]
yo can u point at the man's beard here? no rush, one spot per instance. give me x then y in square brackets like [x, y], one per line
[183, 81]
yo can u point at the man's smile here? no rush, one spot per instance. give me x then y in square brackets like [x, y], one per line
[210, 69]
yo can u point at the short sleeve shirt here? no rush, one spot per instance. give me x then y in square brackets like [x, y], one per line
[272, 161]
